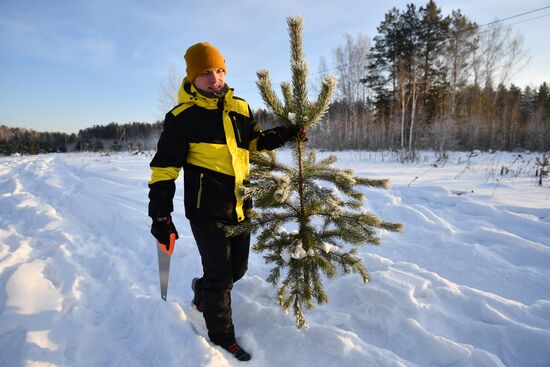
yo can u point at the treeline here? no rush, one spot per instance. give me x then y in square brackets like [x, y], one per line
[111, 137]
[501, 119]
[115, 137]
[25, 141]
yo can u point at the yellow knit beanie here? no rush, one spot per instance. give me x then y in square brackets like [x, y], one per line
[202, 56]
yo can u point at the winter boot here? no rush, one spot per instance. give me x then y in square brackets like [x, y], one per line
[198, 300]
[237, 351]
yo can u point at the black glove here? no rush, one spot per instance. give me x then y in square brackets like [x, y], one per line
[162, 228]
[293, 132]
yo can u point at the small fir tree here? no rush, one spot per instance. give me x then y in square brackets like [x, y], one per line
[328, 217]
[543, 165]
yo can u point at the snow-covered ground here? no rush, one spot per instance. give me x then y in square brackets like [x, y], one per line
[466, 284]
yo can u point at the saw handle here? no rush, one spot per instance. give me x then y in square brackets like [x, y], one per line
[168, 248]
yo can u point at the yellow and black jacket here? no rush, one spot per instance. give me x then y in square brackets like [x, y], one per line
[210, 138]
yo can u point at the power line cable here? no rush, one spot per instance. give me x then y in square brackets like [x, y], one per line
[475, 26]
[530, 19]
[516, 16]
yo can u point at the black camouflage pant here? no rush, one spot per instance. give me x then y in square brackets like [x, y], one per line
[224, 261]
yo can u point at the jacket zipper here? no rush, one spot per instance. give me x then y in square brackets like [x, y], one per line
[238, 133]
[199, 194]
[233, 122]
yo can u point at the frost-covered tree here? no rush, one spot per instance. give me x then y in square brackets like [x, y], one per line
[543, 167]
[316, 198]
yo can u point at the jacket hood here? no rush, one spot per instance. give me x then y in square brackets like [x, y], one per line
[188, 93]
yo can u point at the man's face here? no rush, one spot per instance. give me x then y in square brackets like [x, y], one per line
[211, 80]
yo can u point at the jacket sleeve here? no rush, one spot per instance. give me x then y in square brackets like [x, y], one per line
[272, 138]
[170, 157]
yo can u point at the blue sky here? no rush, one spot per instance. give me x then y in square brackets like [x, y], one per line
[68, 65]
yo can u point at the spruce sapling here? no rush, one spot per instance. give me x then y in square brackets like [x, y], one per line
[329, 218]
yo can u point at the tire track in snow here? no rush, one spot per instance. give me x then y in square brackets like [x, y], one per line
[84, 275]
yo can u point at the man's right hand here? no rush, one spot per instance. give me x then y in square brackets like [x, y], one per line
[162, 228]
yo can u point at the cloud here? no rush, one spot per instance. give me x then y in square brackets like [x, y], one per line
[55, 43]
[12, 27]
[96, 49]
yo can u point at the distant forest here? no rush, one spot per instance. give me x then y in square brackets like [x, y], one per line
[424, 81]
[111, 137]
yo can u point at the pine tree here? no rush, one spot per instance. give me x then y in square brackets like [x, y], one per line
[330, 220]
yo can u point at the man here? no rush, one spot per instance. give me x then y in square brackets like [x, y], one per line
[209, 134]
